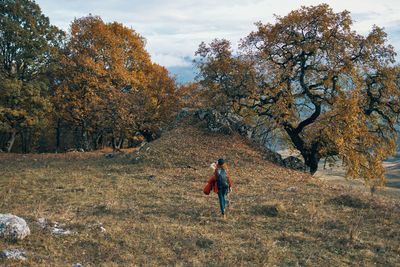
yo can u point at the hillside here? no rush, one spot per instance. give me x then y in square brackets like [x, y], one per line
[150, 209]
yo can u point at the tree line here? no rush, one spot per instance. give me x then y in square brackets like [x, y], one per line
[93, 86]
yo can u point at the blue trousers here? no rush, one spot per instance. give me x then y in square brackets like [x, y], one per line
[221, 196]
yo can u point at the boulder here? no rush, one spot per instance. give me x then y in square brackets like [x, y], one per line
[201, 114]
[184, 113]
[216, 121]
[294, 163]
[13, 227]
[273, 156]
[13, 254]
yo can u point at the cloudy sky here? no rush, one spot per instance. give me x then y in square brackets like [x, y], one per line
[175, 28]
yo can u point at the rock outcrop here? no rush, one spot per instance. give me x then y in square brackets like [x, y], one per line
[294, 163]
[13, 254]
[13, 227]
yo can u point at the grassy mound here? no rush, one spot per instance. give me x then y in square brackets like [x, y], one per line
[153, 211]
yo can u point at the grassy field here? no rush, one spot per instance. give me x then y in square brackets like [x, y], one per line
[153, 211]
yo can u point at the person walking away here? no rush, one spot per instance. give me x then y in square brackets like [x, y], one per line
[221, 182]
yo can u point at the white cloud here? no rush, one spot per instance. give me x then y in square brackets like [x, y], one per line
[170, 60]
[174, 29]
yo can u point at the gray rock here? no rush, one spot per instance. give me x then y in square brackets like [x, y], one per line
[291, 189]
[55, 228]
[136, 160]
[13, 227]
[13, 254]
[227, 122]
[184, 113]
[109, 155]
[294, 163]
[42, 222]
[201, 114]
[59, 231]
[273, 156]
[98, 226]
[151, 178]
[216, 121]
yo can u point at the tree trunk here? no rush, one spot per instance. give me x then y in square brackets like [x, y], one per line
[310, 155]
[85, 138]
[26, 140]
[121, 143]
[58, 135]
[3, 141]
[113, 143]
[77, 137]
[10, 142]
[312, 162]
[100, 140]
[22, 135]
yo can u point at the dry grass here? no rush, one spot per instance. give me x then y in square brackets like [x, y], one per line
[155, 213]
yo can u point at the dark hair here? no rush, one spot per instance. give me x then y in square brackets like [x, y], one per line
[221, 162]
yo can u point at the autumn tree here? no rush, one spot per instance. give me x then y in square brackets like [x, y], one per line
[158, 102]
[226, 82]
[221, 72]
[331, 90]
[28, 43]
[109, 87]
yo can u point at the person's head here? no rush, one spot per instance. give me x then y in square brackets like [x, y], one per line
[221, 163]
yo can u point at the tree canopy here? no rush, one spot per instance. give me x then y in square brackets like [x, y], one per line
[28, 43]
[333, 92]
[109, 86]
[92, 87]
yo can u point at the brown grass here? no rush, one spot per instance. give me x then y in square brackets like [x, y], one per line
[155, 213]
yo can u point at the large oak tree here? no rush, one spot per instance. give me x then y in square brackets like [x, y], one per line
[331, 90]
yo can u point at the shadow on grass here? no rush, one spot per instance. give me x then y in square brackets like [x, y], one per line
[348, 201]
[266, 210]
[103, 210]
